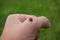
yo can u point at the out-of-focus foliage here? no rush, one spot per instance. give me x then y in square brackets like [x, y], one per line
[48, 8]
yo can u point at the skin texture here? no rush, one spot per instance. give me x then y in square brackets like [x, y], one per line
[23, 27]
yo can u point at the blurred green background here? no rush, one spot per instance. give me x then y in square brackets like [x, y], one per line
[48, 8]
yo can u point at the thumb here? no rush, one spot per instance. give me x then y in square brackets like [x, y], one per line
[37, 22]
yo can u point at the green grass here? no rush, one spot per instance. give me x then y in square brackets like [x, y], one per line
[48, 8]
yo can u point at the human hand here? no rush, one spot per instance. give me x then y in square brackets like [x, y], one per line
[23, 27]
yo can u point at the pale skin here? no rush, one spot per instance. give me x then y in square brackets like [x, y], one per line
[23, 27]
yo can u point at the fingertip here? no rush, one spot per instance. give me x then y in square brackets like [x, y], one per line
[44, 22]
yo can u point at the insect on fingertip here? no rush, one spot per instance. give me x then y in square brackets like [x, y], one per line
[30, 19]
